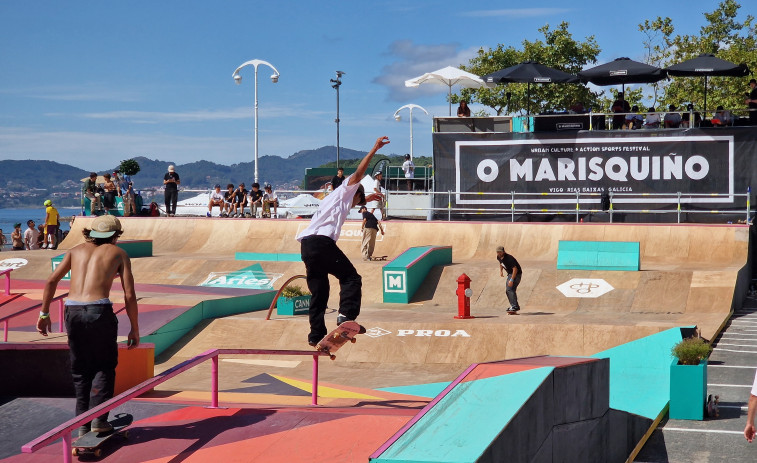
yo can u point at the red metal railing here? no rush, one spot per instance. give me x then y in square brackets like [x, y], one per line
[7, 274]
[61, 308]
[64, 430]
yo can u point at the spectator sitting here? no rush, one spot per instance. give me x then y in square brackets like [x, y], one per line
[270, 199]
[109, 198]
[89, 190]
[620, 105]
[229, 198]
[256, 200]
[722, 117]
[3, 240]
[687, 115]
[634, 121]
[17, 238]
[216, 199]
[653, 119]
[240, 200]
[31, 236]
[672, 119]
[463, 110]
[577, 108]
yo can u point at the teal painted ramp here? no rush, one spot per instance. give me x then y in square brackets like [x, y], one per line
[462, 425]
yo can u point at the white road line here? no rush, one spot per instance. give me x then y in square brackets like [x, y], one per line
[736, 345]
[739, 351]
[730, 385]
[734, 406]
[730, 366]
[715, 431]
[737, 339]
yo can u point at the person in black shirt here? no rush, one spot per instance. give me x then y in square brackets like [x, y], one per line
[240, 200]
[171, 182]
[230, 197]
[514, 272]
[337, 179]
[256, 200]
[370, 227]
[752, 102]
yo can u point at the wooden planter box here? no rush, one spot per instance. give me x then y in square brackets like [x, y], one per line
[299, 305]
[688, 390]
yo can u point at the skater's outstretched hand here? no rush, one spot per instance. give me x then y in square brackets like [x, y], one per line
[381, 141]
[372, 197]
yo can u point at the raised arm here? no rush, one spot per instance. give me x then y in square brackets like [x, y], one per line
[363, 166]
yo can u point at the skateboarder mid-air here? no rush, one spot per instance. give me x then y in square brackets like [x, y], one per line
[90, 322]
[322, 256]
[514, 272]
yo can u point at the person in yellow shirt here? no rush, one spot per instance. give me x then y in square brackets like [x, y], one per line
[52, 222]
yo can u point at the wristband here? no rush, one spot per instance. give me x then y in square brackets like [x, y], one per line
[44, 315]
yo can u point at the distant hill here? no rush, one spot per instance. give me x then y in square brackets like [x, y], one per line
[24, 183]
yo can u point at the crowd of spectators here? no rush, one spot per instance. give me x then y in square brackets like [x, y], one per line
[234, 201]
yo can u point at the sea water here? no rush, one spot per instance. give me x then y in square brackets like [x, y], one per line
[10, 216]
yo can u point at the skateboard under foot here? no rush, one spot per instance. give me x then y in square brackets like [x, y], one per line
[339, 337]
[90, 443]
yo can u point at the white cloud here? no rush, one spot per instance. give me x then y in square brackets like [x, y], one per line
[154, 117]
[414, 60]
[76, 93]
[516, 13]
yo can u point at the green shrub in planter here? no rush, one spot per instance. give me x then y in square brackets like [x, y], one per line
[293, 301]
[691, 351]
[688, 379]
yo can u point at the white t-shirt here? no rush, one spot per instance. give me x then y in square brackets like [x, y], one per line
[332, 212]
[216, 195]
[409, 168]
[754, 386]
[270, 196]
[30, 238]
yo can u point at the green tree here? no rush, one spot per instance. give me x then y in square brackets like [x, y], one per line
[724, 36]
[558, 49]
[129, 167]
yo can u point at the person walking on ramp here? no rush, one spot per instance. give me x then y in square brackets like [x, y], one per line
[514, 272]
[322, 256]
[90, 322]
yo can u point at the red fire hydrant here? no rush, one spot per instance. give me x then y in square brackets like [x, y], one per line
[463, 297]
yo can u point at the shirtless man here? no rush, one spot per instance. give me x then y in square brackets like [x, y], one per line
[90, 322]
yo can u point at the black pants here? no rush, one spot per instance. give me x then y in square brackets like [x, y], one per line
[171, 197]
[512, 297]
[322, 257]
[92, 331]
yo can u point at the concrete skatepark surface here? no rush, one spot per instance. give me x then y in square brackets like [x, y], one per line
[688, 277]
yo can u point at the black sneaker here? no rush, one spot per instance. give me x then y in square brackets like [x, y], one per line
[101, 426]
[312, 344]
[512, 309]
[341, 319]
[83, 430]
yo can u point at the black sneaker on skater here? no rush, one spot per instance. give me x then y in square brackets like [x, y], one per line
[341, 319]
[101, 426]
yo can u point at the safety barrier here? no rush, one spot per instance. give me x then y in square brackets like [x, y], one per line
[64, 430]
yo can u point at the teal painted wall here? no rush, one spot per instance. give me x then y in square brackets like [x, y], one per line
[598, 255]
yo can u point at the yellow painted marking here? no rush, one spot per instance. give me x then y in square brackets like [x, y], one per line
[324, 391]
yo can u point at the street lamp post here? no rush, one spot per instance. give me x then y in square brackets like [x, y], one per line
[238, 79]
[397, 117]
[337, 83]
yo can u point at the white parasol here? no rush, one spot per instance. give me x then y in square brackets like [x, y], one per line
[449, 76]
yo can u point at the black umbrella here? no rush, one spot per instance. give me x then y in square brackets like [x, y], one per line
[528, 72]
[707, 65]
[622, 71]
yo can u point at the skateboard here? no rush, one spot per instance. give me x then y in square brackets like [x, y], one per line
[512, 312]
[91, 442]
[339, 337]
[712, 409]
[379, 258]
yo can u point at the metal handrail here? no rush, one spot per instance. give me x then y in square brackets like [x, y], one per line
[64, 430]
[6, 319]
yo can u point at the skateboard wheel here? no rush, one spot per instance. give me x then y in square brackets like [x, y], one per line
[353, 340]
[98, 453]
[125, 434]
[75, 452]
[332, 357]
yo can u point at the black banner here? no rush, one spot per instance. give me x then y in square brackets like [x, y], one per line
[635, 164]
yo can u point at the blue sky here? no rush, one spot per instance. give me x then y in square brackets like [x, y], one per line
[90, 83]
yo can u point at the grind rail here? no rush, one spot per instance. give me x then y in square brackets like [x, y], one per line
[64, 430]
